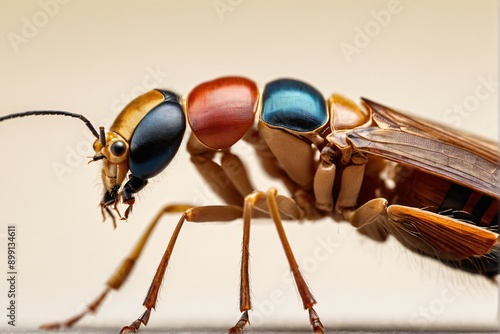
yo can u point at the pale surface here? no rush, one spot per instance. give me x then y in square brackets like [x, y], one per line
[92, 57]
[104, 331]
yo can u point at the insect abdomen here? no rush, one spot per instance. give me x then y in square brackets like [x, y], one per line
[418, 189]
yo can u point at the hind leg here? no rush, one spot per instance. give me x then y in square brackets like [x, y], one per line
[430, 233]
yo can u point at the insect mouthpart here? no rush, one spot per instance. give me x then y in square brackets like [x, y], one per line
[97, 157]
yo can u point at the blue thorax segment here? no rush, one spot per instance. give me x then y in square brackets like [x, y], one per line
[293, 105]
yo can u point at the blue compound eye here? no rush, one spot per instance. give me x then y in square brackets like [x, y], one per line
[118, 148]
[293, 105]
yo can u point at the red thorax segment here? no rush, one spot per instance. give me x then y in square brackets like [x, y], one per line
[221, 111]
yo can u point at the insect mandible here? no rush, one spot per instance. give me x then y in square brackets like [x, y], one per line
[331, 156]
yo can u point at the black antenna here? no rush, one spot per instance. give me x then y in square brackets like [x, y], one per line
[102, 136]
[53, 112]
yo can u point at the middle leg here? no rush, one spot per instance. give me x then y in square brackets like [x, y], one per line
[278, 207]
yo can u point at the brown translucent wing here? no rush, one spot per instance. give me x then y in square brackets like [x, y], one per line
[458, 157]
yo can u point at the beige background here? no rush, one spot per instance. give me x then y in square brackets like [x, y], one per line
[92, 57]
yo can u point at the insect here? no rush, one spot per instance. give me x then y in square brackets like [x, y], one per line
[434, 189]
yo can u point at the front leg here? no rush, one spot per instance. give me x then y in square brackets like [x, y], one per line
[134, 185]
[116, 281]
[110, 198]
[195, 215]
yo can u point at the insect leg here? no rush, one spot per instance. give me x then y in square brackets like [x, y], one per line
[279, 207]
[273, 168]
[268, 160]
[91, 308]
[437, 235]
[245, 303]
[196, 215]
[306, 295]
[366, 219]
[228, 179]
[433, 234]
[121, 274]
